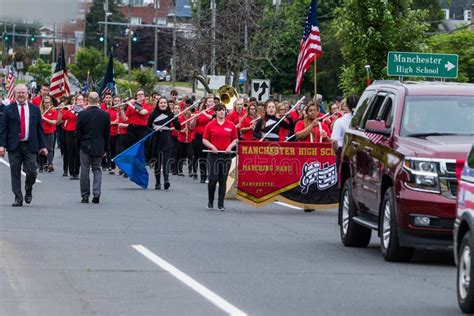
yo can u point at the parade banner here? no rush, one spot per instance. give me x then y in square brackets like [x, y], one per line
[300, 174]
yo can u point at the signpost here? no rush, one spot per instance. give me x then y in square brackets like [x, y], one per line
[403, 64]
[260, 89]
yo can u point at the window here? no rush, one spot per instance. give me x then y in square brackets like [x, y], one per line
[359, 111]
[135, 20]
[72, 21]
[467, 15]
[374, 108]
[470, 159]
[136, 3]
[159, 21]
[446, 13]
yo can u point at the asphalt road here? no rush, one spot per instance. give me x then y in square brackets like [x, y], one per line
[61, 257]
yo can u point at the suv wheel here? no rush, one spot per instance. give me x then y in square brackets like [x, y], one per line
[389, 242]
[465, 288]
[352, 234]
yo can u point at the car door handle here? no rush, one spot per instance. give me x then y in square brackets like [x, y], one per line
[355, 144]
[368, 149]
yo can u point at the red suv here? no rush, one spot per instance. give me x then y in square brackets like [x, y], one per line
[398, 168]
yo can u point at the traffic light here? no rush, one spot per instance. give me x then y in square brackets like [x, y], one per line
[32, 39]
[5, 37]
[135, 38]
[101, 39]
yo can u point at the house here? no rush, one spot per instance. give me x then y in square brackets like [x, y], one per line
[457, 13]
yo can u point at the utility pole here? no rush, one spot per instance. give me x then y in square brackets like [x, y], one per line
[26, 38]
[13, 38]
[129, 45]
[246, 46]
[213, 35]
[53, 53]
[155, 54]
[173, 66]
[106, 10]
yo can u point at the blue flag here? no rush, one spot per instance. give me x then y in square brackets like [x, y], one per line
[132, 162]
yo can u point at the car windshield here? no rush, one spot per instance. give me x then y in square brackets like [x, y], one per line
[438, 115]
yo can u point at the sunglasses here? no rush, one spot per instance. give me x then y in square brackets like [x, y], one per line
[220, 110]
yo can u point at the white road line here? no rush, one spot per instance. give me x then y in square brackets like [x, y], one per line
[8, 165]
[288, 205]
[196, 286]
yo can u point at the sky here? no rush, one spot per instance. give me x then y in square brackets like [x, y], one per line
[43, 11]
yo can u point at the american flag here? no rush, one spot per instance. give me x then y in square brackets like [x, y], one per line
[10, 83]
[59, 81]
[310, 45]
[375, 138]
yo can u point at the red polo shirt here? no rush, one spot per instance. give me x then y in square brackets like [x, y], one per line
[202, 122]
[315, 131]
[50, 128]
[113, 116]
[220, 135]
[71, 119]
[134, 118]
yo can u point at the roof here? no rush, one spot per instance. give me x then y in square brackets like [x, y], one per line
[429, 87]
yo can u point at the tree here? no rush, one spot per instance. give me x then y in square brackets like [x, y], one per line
[146, 78]
[434, 13]
[41, 72]
[460, 43]
[91, 61]
[94, 30]
[368, 30]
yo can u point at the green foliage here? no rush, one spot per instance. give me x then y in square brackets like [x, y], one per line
[368, 30]
[94, 30]
[434, 13]
[92, 61]
[41, 72]
[126, 88]
[460, 43]
[146, 79]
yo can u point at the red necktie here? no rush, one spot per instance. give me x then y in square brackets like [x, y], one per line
[22, 122]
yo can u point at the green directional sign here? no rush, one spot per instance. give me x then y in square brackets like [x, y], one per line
[422, 65]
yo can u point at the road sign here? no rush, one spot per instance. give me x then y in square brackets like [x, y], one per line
[422, 65]
[261, 89]
[214, 82]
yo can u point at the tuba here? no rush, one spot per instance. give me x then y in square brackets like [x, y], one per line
[228, 96]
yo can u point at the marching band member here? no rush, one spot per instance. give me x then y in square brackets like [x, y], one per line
[248, 124]
[202, 118]
[311, 129]
[238, 115]
[283, 108]
[185, 143]
[113, 111]
[43, 92]
[107, 98]
[220, 136]
[107, 101]
[136, 116]
[70, 118]
[268, 122]
[50, 118]
[161, 118]
[121, 134]
[175, 144]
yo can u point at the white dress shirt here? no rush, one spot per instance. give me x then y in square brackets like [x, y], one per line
[340, 127]
[27, 119]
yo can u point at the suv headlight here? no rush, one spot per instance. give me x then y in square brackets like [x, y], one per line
[423, 175]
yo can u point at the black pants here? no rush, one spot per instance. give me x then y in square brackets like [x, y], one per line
[18, 157]
[174, 155]
[199, 159]
[47, 160]
[63, 146]
[134, 134]
[74, 162]
[219, 165]
[112, 151]
[119, 143]
[185, 155]
[162, 160]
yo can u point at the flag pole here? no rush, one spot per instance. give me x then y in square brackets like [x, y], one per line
[315, 79]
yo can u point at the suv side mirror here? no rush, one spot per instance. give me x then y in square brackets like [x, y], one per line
[378, 127]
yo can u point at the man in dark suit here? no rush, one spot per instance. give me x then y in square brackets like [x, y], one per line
[21, 134]
[92, 136]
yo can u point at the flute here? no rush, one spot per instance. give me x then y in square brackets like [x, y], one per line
[196, 115]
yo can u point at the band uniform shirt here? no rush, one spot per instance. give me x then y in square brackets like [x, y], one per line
[50, 128]
[315, 131]
[135, 118]
[220, 135]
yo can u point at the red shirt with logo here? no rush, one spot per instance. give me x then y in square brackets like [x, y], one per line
[247, 122]
[134, 118]
[50, 128]
[113, 113]
[316, 133]
[202, 121]
[220, 135]
[70, 119]
[186, 134]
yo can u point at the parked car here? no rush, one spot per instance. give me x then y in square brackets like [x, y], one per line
[464, 236]
[398, 169]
